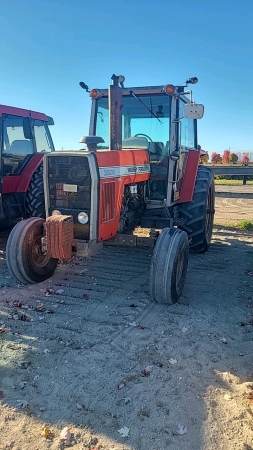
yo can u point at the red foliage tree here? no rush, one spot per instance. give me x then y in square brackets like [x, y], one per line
[245, 160]
[216, 158]
[225, 157]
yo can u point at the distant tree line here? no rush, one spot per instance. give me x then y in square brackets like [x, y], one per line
[228, 157]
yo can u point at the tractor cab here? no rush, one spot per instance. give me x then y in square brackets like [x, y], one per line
[24, 139]
[152, 118]
[24, 133]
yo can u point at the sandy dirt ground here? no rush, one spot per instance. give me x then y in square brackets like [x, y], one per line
[88, 362]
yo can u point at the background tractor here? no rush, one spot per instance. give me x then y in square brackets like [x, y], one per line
[24, 138]
[139, 168]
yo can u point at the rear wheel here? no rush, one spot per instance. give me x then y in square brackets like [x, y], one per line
[169, 266]
[24, 256]
[35, 201]
[198, 215]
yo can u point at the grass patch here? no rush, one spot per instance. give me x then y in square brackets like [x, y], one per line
[232, 182]
[245, 224]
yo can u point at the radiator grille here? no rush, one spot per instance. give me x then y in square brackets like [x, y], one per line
[108, 201]
[74, 172]
[75, 196]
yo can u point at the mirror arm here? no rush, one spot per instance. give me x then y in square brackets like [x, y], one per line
[190, 93]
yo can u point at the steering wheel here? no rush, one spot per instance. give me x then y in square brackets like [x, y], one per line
[145, 135]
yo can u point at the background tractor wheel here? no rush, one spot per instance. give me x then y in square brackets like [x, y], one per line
[169, 266]
[35, 202]
[24, 257]
[199, 213]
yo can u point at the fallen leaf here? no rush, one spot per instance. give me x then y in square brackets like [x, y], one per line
[172, 361]
[249, 272]
[47, 433]
[124, 431]
[22, 403]
[146, 372]
[59, 291]
[9, 444]
[65, 434]
[142, 327]
[16, 304]
[24, 318]
[49, 291]
[181, 429]
[23, 364]
[121, 385]
[249, 396]
[40, 307]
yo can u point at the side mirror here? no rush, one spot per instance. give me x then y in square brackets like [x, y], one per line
[193, 111]
[28, 128]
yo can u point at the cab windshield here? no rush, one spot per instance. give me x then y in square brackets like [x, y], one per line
[145, 123]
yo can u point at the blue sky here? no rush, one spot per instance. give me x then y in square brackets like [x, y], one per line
[48, 46]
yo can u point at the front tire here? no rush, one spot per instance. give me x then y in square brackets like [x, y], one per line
[198, 215]
[169, 266]
[24, 256]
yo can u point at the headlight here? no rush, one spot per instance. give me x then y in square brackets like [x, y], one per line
[56, 213]
[83, 218]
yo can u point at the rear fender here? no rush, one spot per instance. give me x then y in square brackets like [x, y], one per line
[28, 172]
[188, 182]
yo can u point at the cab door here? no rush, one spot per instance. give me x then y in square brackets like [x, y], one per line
[186, 142]
[17, 149]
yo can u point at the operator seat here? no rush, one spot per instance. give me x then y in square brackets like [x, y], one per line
[135, 142]
[21, 147]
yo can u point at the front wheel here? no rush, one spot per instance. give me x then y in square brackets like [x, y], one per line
[25, 259]
[169, 266]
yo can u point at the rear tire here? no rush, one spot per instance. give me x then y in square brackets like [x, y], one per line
[169, 266]
[199, 213]
[35, 201]
[24, 257]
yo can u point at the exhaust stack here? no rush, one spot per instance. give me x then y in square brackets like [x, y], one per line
[115, 112]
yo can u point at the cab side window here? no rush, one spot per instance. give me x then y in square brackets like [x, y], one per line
[42, 138]
[16, 148]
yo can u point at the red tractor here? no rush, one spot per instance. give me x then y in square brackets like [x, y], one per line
[25, 138]
[141, 168]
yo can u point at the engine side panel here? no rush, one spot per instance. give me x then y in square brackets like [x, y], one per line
[117, 169]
